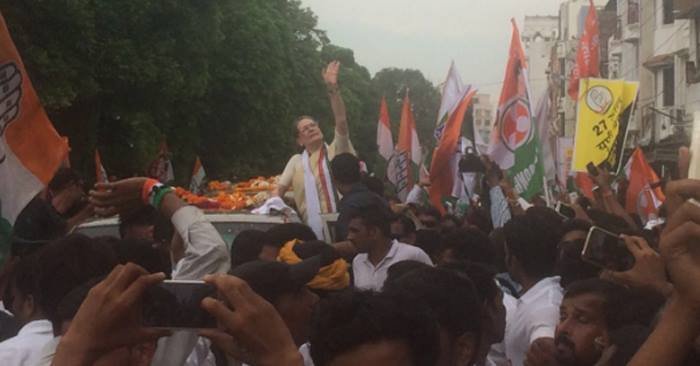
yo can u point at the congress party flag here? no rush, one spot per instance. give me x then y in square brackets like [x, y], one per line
[407, 152]
[642, 199]
[514, 139]
[452, 93]
[385, 141]
[100, 172]
[588, 53]
[443, 176]
[162, 167]
[30, 148]
[198, 176]
[604, 110]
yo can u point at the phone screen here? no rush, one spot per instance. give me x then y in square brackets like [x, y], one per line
[607, 250]
[176, 304]
[566, 211]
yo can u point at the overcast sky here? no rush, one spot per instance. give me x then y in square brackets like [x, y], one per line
[428, 34]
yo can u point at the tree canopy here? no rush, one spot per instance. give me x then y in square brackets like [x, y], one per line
[221, 79]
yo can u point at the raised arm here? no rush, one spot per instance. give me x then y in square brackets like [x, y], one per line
[330, 77]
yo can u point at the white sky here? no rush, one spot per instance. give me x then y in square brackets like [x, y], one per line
[428, 35]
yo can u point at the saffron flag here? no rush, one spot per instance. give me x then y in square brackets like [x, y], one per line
[514, 142]
[407, 151]
[100, 172]
[603, 116]
[30, 148]
[642, 199]
[585, 184]
[442, 174]
[588, 53]
[385, 142]
[198, 176]
[162, 168]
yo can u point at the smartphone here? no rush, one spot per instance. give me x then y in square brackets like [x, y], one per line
[607, 250]
[565, 210]
[177, 305]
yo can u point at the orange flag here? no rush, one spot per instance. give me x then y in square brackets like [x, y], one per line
[588, 54]
[585, 184]
[641, 198]
[442, 176]
[399, 170]
[30, 148]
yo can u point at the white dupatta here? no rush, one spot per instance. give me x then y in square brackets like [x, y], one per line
[313, 201]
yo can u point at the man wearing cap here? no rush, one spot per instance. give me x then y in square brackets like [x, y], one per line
[370, 231]
[307, 174]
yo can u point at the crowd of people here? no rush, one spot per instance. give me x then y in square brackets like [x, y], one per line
[401, 284]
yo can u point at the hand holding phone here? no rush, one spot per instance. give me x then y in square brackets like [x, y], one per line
[565, 211]
[177, 305]
[607, 250]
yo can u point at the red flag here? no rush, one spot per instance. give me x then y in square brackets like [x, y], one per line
[585, 184]
[588, 54]
[441, 173]
[100, 172]
[641, 198]
[385, 142]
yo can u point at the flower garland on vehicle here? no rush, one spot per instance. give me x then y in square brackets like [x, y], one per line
[231, 197]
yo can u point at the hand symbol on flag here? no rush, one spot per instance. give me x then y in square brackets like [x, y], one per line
[10, 94]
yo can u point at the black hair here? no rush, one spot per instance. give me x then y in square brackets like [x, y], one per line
[545, 214]
[67, 263]
[398, 269]
[450, 295]
[408, 225]
[450, 217]
[375, 215]
[483, 277]
[608, 221]
[533, 241]
[143, 253]
[24, 275]
[617, 300]
[374, 184]
[429, 241]
[469, 245]
[570, 266]
[248, 245]
[63, 178]
[69, 305]
[283, 233]
[349, 320]
[497, 238]
[308, 249]
[429, 210]
[575, 225]
[345, 168]
[145, 216]
[628, 340]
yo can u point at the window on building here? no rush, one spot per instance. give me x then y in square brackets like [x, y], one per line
[697, 42]
[669, 86]
[632, 11]
[668, 11]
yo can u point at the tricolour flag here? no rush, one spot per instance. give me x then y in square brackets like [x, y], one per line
[442, 173]
[407, 152]
[588, 53]
[385, 142]
[452, 93]
[162, 168]
[30, 148]
[198, 176]
[641, 198]
[514, 142]
[100, 172]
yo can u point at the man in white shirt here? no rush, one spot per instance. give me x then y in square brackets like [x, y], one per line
[36, 331]
[370, 231]
[530, 256]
